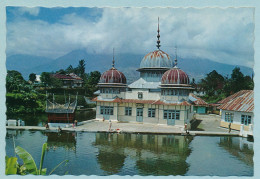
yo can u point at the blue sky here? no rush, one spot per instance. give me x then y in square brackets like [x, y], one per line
[222, 35]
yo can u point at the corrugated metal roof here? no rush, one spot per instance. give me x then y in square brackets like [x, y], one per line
[240, 101]
[197, 101]
[141, 83]
[239, 93]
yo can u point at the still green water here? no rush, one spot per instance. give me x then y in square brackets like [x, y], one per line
[136, 154]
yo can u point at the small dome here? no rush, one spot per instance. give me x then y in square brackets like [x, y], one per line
[156, 59]
[113, 76]
[175, 76]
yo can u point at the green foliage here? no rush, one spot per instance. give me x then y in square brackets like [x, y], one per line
[92, 81]
[28, 161]
[70, 69]
[29, 165]
[25, 103]
[218, 87]
[55, 83]
[11, 165]
[45, 78]
[81, 68]
[32, 77]
[213, 83]
[15, 82]
[44, 147]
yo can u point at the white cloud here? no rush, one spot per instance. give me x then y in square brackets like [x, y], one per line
[223, 35]
[32, 11]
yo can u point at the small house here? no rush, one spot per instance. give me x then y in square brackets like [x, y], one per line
[237, 109]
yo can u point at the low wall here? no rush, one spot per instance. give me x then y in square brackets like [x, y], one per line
[233, 126]
[207, 116]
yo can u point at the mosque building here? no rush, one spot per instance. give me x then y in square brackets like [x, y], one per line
[160, 96]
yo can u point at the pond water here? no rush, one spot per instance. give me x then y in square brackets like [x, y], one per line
[136, 154]
[41, 119]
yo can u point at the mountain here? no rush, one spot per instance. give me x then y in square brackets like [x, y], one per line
[25, 63]
[127, 63]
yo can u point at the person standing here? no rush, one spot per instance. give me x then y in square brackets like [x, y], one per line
[229, 127]
[110, 125]
[186, 127]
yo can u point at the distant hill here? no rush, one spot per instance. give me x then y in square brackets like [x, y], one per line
[22, 62]
[127, 63]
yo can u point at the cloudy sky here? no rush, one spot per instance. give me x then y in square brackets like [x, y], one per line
[222, 35]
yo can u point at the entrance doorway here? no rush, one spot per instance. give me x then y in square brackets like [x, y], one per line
[139, 114]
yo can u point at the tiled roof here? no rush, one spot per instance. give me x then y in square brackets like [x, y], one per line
[62, 76]
[159, 102]
[240, 101]
[73, 75]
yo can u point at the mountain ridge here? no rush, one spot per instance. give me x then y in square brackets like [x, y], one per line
[127, 63]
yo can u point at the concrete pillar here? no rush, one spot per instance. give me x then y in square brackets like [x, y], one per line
[241, 130]
[250, 128]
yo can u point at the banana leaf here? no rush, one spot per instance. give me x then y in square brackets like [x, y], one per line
[44, 147]
[10, 165]
[44, 171]
[28, 161]
[66, 161]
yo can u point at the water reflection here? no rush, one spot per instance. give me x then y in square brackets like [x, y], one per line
[41, 118]
[136, 154]
[154, 154]
[14, 133]
[66, 140]
[239, 147]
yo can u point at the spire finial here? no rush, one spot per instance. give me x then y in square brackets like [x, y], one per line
[175, 60]
[113, 62]
[158, 36]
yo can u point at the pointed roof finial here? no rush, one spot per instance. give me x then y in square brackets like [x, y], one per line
[158, 36]
[175, 60]
[113, 62]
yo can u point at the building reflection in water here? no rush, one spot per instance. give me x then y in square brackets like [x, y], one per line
[153, 154]
[13, 133]
[66, 140]
[241, 148]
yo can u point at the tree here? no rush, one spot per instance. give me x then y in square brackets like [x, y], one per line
[55, 82]
[91, 82]
[237, 80]
[81, 68]
[14, 81]
[61, 71]
[212, 83]
[32, 77]
[70, 69]
[45, 78]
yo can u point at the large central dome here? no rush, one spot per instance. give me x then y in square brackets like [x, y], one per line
[156, 59]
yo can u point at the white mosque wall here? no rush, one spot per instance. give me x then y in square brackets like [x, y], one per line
[146, 95]
[112, 96]
[174, 97]
[119, 113]
[111, 117]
